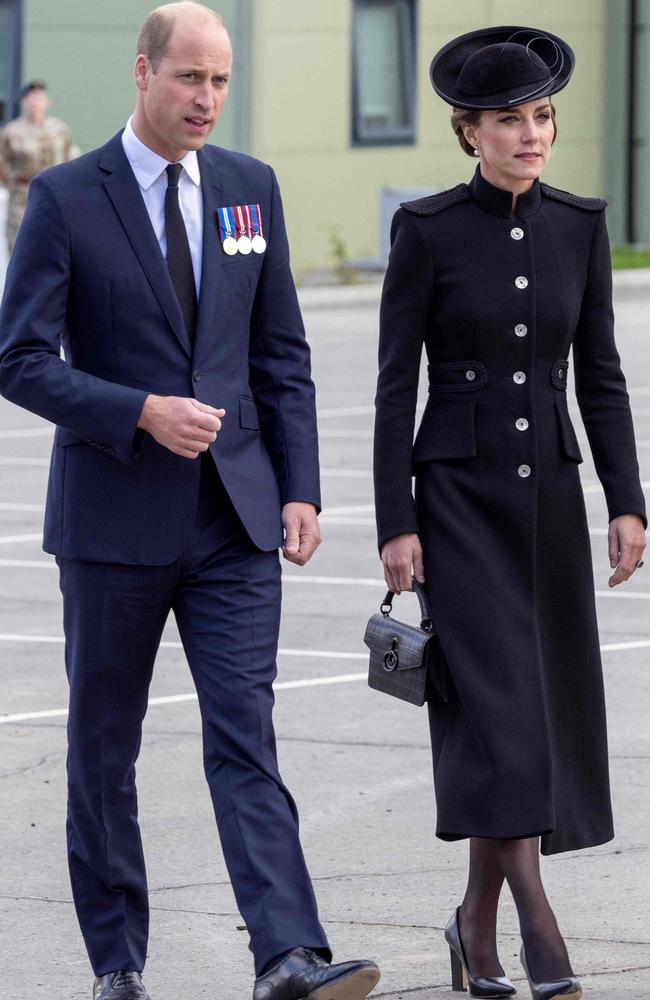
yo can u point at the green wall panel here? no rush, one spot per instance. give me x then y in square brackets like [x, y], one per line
[85, 49]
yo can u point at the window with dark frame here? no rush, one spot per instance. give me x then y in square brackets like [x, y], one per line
[383, 72]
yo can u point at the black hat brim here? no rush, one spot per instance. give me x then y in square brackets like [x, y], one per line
[448, 62]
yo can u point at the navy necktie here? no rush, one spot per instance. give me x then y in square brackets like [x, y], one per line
[179, 258]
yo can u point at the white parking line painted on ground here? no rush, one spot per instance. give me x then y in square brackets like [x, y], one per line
[22, 506]
[175, 699]
[347, 473]
[11, 539]
[327, 581]
[27, 432]
[29, 563]
[9, 460]
[308, 682]
[311, 654]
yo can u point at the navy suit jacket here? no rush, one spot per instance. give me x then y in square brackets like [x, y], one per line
[87, 273]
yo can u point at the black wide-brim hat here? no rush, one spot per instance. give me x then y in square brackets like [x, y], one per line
[500, 67]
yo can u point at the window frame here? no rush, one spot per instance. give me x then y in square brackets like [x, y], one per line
[401, 135]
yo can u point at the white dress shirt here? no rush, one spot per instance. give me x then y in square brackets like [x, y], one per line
[149, 169]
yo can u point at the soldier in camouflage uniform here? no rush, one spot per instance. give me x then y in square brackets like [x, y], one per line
[29, 144]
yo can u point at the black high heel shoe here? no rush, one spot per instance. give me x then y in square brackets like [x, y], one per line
[569, 988]
[490, 988]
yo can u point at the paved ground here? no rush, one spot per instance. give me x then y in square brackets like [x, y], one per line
[358, 763]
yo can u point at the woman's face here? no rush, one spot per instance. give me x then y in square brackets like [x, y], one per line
[514, 143]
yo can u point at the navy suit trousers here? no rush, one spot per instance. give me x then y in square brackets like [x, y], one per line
[225, 594]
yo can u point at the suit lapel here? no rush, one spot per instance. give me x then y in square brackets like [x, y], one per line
[122, 188]
[212, 254]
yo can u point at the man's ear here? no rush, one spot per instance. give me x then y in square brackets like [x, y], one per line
[142, 71]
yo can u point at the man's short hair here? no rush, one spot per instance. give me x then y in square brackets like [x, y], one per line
[156, 31]
[32, 85]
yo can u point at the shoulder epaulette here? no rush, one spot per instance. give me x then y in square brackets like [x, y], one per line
[435, 203]
[589, 204]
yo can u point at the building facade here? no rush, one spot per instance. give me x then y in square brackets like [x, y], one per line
[336, 96]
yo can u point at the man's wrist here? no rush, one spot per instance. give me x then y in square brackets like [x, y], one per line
[146, 411]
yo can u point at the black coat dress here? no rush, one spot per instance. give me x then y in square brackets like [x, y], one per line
[520, 749]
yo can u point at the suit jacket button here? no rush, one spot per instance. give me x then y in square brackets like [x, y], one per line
[521, 329]
[517, 233]
[196, 375]
[521, 281]
[470, 375]
[524, 471]
[521, 424]
[519, 377]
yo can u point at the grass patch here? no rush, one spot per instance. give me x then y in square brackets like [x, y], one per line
[623, 257]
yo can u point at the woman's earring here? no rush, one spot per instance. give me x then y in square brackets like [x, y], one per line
[476, 152]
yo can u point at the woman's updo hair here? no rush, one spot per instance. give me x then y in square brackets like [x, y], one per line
[464, 116]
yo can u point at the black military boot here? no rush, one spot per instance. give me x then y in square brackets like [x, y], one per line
[304, 975]
[120, 986]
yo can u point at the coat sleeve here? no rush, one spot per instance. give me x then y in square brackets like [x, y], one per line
[405, 306]
[32, 322]
[600, 387]
[280, 369]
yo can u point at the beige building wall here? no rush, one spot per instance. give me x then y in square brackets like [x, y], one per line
[302, 104]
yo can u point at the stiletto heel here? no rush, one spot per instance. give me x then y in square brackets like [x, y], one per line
[490, 988]
[458, 975]
[569, 988]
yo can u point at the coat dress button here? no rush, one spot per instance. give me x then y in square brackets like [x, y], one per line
[524, 471]
[521, 281]
[521, 424]
[196, 375]
[519, 377]
[521, 329]
[470, 375]
[517, 233]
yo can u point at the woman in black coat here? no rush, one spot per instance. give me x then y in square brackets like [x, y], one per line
[499, 279]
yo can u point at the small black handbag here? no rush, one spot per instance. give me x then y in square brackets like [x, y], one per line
[406, 660]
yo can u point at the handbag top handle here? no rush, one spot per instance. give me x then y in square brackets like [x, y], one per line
[426, 622]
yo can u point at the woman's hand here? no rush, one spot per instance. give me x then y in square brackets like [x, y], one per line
[626, 544]
[402, 559]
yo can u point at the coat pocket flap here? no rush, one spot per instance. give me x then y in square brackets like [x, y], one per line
[248, 416]
[447, 429]
[568, 438]
[456, 376]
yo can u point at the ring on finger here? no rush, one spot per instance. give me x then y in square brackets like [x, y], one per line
[639, 564]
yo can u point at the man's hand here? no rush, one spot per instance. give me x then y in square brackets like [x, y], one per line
[402, 559]
[184, 426]
[626, 539]
[301, 532]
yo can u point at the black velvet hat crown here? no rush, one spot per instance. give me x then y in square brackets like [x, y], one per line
[498, 67]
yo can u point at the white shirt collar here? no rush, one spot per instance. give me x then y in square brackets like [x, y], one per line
[147, 165]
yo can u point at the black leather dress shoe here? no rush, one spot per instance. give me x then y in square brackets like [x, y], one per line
[120, 986]
[304, 975]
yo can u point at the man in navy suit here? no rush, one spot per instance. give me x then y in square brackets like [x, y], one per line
[186, 440]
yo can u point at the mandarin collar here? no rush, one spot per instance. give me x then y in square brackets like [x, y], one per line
[498, 201]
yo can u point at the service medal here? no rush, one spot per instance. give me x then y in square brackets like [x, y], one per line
[226, 228]
[244, 244]
[230, 246]
[259, 243]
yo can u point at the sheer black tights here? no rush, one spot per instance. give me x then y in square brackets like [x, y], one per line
[518, 862]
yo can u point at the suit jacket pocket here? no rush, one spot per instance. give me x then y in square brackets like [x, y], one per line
[447, 429]
[248, 415]
[568, 439]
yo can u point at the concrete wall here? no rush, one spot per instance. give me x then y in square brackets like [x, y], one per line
[302, 110]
